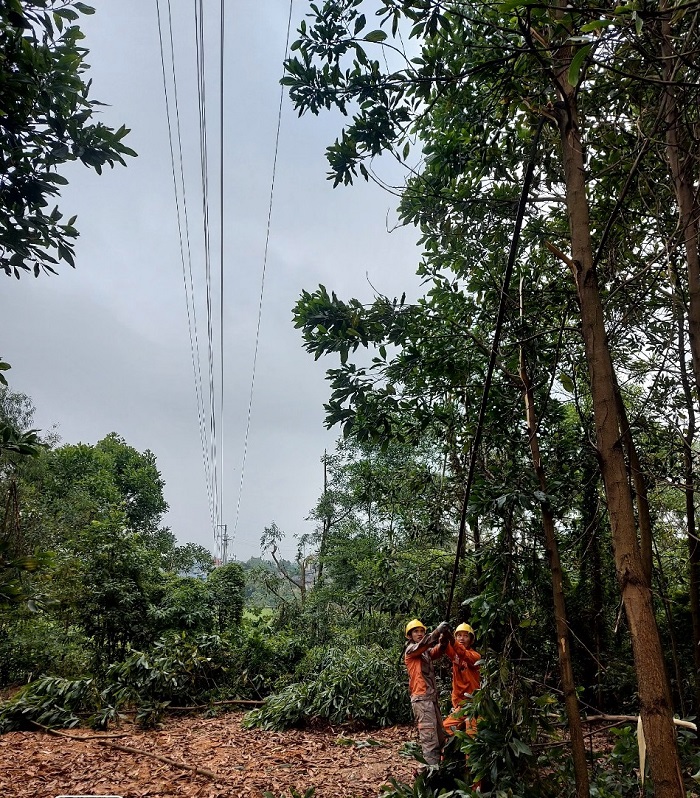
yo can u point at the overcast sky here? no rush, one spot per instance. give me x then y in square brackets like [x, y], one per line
[105, 347]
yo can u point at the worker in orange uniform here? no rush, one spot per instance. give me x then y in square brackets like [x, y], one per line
[421, 649]
[466, 679]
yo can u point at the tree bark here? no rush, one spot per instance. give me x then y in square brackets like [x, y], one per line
[578, 748]
[654, 692]
[689, 489]
[681, 164]
[640, 490]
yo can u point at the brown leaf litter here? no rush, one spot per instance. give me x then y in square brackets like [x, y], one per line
[161, 763]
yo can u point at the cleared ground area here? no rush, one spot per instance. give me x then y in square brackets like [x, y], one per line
[203, 757]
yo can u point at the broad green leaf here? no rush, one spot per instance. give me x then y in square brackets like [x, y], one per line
[597, 24]
[566, 382]
[375, 36]
[577, 62]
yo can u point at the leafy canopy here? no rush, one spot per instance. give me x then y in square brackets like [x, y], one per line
[46, 120]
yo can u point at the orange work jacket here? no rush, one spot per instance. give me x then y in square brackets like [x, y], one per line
[419, 664]
[465, 672]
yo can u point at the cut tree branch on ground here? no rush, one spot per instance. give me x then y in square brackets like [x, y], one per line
[234, 701]
[80, 738]
[684, 724]
[104, 740]
[139, 752]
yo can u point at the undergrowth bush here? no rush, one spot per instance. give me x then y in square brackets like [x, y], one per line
[360, 684]
[180, 670]
[36, 645]
[50, 701]
[260, 659]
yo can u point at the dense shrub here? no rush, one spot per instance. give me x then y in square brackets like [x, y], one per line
[187, 604]
[50, 701]
[510, 717]
[38, 644]
[359, 684]
[179, 670]
[261, 659]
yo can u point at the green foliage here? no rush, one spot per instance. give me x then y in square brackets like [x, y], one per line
[619, 776]
[265, 587]
[226, 586]
[12, 441]
[49, 701]
[48, 121]
[112, 592]
[36, 644]
[186, 604]
[12, 571]
[179, 669]
[261, 657]
[362, 684]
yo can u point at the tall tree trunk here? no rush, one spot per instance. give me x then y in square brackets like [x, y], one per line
[654, 692]
[681, 164]
[597, 595]
[578, 749]
[689, 488]
[640, 489]
[477, 548]
[592, 569]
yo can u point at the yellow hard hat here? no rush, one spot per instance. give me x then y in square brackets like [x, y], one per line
[464, 627]
[414, 624]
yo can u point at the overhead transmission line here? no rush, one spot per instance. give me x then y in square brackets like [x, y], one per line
[212, 449]
[179, 189]
[222, 28]
[262, 283]
[204, 168]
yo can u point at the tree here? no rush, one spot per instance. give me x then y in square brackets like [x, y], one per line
[112, 576]
[484, 79]
[227, 583]
[47, 120]
[269, 541]
[75, 484]
[17, 443]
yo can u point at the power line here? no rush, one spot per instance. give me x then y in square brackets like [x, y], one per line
[262, 285]
[183, 221]
[221, 266]
[204, 167]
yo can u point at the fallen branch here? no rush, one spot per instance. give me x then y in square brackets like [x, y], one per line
[104, 740]
[563, 743]
[246, 701]
[139, 752]
[684, 724]
[78, 737]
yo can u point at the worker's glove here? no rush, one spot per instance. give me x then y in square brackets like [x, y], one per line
[443, 627]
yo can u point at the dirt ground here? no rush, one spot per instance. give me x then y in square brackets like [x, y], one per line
[337, 763]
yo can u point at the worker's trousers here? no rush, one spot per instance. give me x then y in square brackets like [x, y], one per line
[431, 732]
[459, 722]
